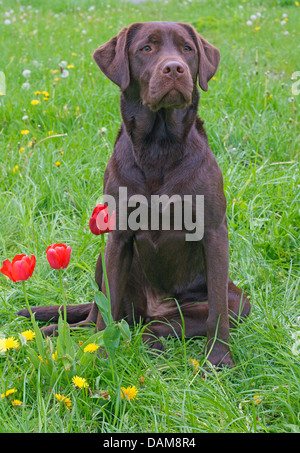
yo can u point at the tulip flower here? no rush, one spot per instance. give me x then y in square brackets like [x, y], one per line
[58, 255]
[20, 269]
[101, 222]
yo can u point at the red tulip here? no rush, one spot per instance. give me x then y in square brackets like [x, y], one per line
[20, 269]
[58, 255]
[101, 222]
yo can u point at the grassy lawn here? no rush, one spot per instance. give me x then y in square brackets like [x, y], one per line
[51, 179]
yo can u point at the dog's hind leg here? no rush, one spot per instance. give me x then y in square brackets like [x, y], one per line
[195, 316]
[83, 315]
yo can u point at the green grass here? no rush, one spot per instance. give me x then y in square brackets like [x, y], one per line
[253, 128]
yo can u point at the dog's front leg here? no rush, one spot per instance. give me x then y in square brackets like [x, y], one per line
[215, 243]
[118, 259]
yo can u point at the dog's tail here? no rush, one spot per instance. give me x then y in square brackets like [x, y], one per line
[75, 313]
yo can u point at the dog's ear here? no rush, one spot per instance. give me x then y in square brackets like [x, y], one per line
[112, 59]
[209, 57]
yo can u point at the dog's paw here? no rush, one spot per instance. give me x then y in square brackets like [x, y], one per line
[50, 331]
[153, 344]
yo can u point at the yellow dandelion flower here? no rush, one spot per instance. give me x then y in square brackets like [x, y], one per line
[56, 79]
[80, 342]
[21, 150]
[64, 399]
[24, 132]
[91, 347]
[28, 334]
[195, 364]
[8, 392]
[45, 93]
[74, 54]
[1, 94]
[257, 399]
[8, 343]
[30, 144]
[70, 66]
[16, 403]
[36, 93]
[16, 168]
[297, 3]
[257, 28]
[35, 102]
[129, 393]
[286, 19]
[80, 382]
[57, 163]
[54, 355]
[45, 99]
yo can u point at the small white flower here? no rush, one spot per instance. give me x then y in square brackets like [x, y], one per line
[26, 86]
[7, 22]
[63, 64]
[253, 17]
[283, 22]
[91, 8]
[258, 14]
[296, 348]
[103, 130]
[83, 32]
[26, 73]
[286, 32]
[284, 15]
[65, 73]
[25, 117]
[249, 22]
[7, 13]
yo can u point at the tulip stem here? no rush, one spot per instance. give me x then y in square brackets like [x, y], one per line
[104, 269]
[64, 296]
[26, 299]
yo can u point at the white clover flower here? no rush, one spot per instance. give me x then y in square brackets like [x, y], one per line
[65, 73]
[284, 15]
[249, 22]
[258, 14]
[103, 130]
[26, 73]
[283, 22]
[7, 22]
[26, 86]
[63, 64]
[91, 8]
[25, 117]
[253, 17]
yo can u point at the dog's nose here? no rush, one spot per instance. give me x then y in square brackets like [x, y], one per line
[173, 69]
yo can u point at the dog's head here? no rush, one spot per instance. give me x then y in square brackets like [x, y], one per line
[161, 59]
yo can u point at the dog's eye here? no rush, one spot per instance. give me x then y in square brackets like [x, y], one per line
[146, 49]
[187, 48]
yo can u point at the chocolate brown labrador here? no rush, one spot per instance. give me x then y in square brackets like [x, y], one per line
[162, 149]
